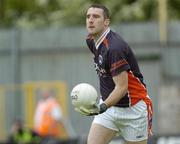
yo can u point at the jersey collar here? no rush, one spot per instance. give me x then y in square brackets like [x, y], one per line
[102, 37]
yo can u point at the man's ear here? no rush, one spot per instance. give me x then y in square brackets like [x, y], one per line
[107, 22]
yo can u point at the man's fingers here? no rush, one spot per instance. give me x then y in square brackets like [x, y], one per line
[81, 112]
[87, 112]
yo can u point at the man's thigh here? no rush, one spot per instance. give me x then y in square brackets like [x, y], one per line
[99, 134]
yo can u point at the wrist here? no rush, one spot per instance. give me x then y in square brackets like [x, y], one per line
[103, 108]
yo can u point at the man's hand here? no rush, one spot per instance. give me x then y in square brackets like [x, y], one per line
[97, 109]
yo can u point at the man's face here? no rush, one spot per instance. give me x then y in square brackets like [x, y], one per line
[95, 21]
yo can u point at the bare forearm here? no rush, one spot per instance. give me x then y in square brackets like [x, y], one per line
[120, 89]
[117, 94]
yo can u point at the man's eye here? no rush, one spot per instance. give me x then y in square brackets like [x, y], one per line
[96, 16]
[93, 16]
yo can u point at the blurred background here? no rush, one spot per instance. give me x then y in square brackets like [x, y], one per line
[42, 45]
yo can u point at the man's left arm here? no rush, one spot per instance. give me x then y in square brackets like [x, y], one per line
[120, 89]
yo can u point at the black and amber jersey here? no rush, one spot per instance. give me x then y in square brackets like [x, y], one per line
[112, 56]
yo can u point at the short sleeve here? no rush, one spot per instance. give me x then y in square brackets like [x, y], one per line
[117, 61]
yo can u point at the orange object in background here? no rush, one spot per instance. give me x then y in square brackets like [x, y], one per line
[45, 123]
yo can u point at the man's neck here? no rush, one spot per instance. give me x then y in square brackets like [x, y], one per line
[101, 37]
[96, 37]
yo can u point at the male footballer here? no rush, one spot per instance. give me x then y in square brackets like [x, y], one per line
[125, 107]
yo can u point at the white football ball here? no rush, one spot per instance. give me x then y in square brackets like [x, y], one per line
[84, 95]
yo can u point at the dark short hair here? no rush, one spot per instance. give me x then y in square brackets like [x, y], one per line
[104, 8]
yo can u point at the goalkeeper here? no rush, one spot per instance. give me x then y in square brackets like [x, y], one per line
[125, 106]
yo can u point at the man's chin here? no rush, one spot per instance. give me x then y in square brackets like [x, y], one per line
[91, 33]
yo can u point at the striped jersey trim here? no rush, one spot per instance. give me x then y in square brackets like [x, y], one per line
[102, 37]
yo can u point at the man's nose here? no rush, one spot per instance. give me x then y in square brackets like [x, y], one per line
[90, 19]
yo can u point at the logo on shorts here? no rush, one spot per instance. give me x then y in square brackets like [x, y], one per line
[140, 136]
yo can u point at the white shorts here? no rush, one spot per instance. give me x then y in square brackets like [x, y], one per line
[131, 123]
